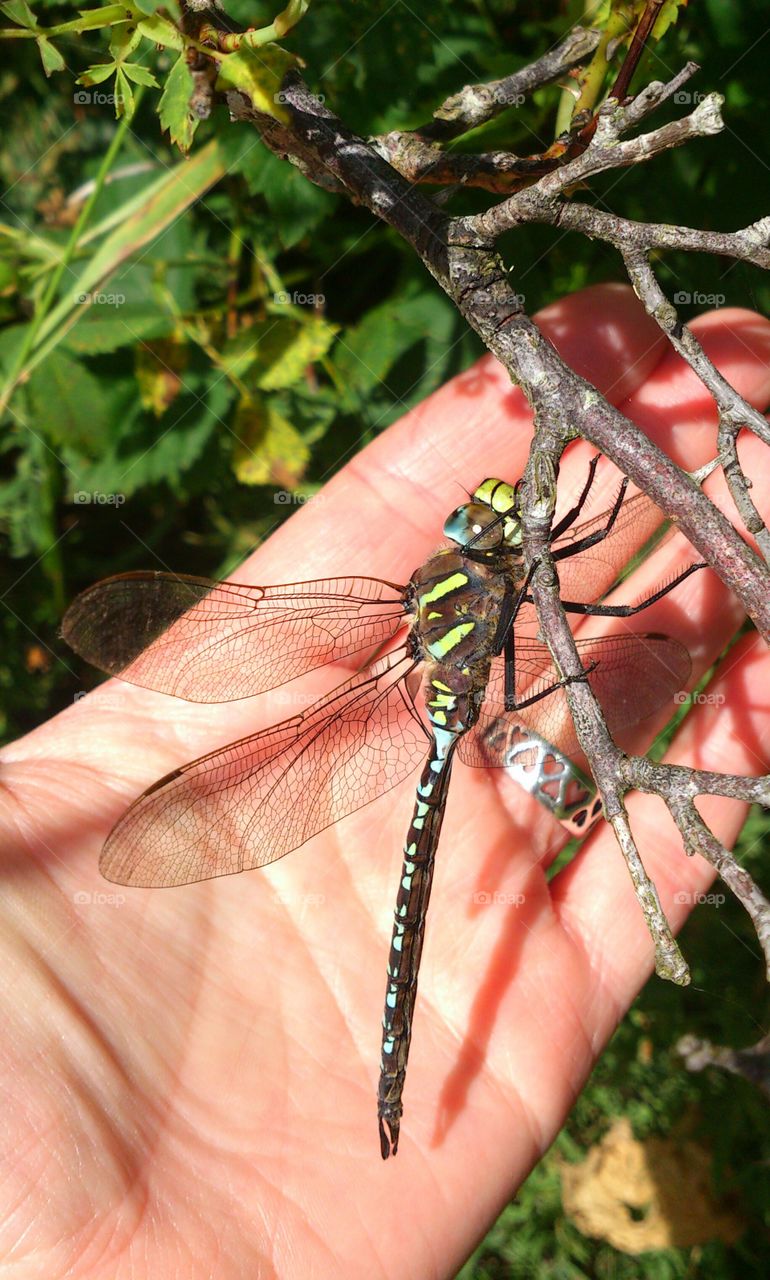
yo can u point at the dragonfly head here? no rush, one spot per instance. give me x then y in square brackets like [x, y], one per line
[489, 521]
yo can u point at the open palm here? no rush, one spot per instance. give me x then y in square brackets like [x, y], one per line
[189, 1075]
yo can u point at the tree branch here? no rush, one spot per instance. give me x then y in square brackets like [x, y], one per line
[460, 253]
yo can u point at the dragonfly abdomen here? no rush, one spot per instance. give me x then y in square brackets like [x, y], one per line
[451, 711]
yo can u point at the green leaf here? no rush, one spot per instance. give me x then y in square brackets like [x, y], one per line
[278, 351]
[49, 56]
[297, 205]
[175, 113]
[160, 206]
[149, 7]
[269, 449]
[97, 333]
[258, 75]
[19, 11]
[97, 74]
[124, 95]
[140, 74]
[160, 31]
[124, 38]
[67, 403]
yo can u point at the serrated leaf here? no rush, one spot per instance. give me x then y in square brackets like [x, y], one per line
[49, 56]
[97, 74]
[277, 351]
[19, 11]
[98, 334]
[667, 17]
[175, 113]
[258, 75]
[68, 403]
[124, 38]
[159, 368]
[140, 74]
[297, 204]
[269, 449]
[160, 30]
[124, 95]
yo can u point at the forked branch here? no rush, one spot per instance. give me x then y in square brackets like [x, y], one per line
[461, 254]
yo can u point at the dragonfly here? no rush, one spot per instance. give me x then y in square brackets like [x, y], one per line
[449, 665]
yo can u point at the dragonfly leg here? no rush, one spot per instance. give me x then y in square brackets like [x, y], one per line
[544, 693]
[582, 544]
[628, 610]
[571, 516]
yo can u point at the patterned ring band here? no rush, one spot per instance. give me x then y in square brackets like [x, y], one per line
[547, 774]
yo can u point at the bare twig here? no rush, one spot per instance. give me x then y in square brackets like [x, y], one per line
[461, 255]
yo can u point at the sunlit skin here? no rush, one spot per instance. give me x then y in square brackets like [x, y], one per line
[189, 1075]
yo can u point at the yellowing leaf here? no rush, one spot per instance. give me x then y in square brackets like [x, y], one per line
[259, 75]
[277, 351]
[175, 113]
[269, 449]
[159, 368]
[161, 31]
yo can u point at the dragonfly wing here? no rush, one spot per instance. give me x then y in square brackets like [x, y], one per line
[219, 641]
[636, 675]
[591, 573]
[250, 803]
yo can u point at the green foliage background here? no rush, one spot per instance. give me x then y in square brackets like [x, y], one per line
[145, 400]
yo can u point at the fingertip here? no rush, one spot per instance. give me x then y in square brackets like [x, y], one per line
[677, 410]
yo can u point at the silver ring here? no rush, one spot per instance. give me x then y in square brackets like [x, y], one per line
[547, 774]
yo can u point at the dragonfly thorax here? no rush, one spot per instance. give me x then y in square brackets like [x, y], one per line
[489, 522]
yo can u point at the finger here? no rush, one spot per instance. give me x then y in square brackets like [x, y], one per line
[593, 897]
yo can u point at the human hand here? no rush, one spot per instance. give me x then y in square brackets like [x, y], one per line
[190, 1074]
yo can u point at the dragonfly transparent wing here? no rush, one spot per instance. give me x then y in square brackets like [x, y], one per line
[592, 572]
[636, 675]
[219, 641]
[255, 800]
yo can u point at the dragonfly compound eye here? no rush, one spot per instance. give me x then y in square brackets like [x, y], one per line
[475, 525]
